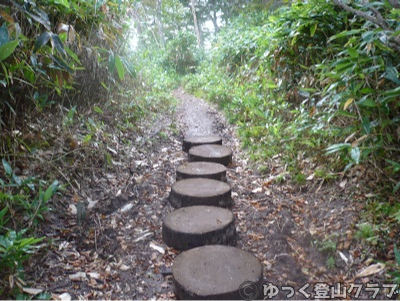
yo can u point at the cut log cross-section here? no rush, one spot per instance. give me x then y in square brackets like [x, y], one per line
[199, 191]
[211, 153]
[217, 272]
[195, 226]
[208, 170]
[191, 141]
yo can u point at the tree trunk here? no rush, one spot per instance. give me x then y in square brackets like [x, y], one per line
[196, 24]
[214, 20]
[159, 23]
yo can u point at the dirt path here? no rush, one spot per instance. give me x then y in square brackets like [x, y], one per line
[119, 254]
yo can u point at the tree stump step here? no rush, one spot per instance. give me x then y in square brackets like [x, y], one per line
[195, 226]
[199, 191]
[211, 153]
[191, 141]
[208, 170]
[217, 272]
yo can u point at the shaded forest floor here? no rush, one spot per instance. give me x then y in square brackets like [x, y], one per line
[301, 234]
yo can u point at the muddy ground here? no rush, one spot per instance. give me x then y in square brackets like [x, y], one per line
[115, 250]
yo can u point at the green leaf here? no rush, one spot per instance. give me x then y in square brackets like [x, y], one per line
[397, 255]
[395, 165]
[347, 114]
[337, 147]
[41, 40]
[87, 138]
[98, 110]
[111, 63]
[58, 45]
[40, 16]
[313, 29]
[342, 67]
[368, 36]
[71, 113]
[105, 86]
[7, 167]
[64, 3]
[62, 64]
[367, 103]
[17, 180]
[345, 34]
[352, 52]
[366, 124]
[120, 67]
[3, 219]
[129, 66]
[7, 49]
[4, 38]
[73, 55]
[395, 188]
[271, 86]
[43, 296]
[392, 74]
[355, 155]
[50, 191]
[393, 92]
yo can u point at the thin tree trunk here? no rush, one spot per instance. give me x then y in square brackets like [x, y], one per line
[159, 23]
[214, 20]
[196, 24]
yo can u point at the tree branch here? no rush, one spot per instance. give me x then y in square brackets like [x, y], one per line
[378, 21]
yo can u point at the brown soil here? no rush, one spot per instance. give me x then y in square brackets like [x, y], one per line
[119, 250]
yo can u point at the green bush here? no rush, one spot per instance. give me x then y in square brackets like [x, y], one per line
[22, 205]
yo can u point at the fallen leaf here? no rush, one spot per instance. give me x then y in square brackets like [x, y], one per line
[94, 275]
[157, 248]
[127, 207]
[257, 190]
[91, 203]
[343, 257]
[32, 291]
[78, 276]
[65, 297]
[142, 237]
[72, 209]
[371, 270]
[124, 267]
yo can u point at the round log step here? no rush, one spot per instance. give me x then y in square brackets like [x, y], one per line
[199, 191]
[191, 141]
[208, 170]
[217, 272]
[195, 226]
[211, 153]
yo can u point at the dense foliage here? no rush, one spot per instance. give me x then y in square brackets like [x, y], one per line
[68, 80]
[315, 79]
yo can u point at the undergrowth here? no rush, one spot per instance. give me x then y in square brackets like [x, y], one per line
[70, 87]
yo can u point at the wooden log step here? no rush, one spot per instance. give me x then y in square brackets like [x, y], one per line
[211, 153]
[208, 170]
[195, 226]
[191, 141]
[199, 191]
[217, 272]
